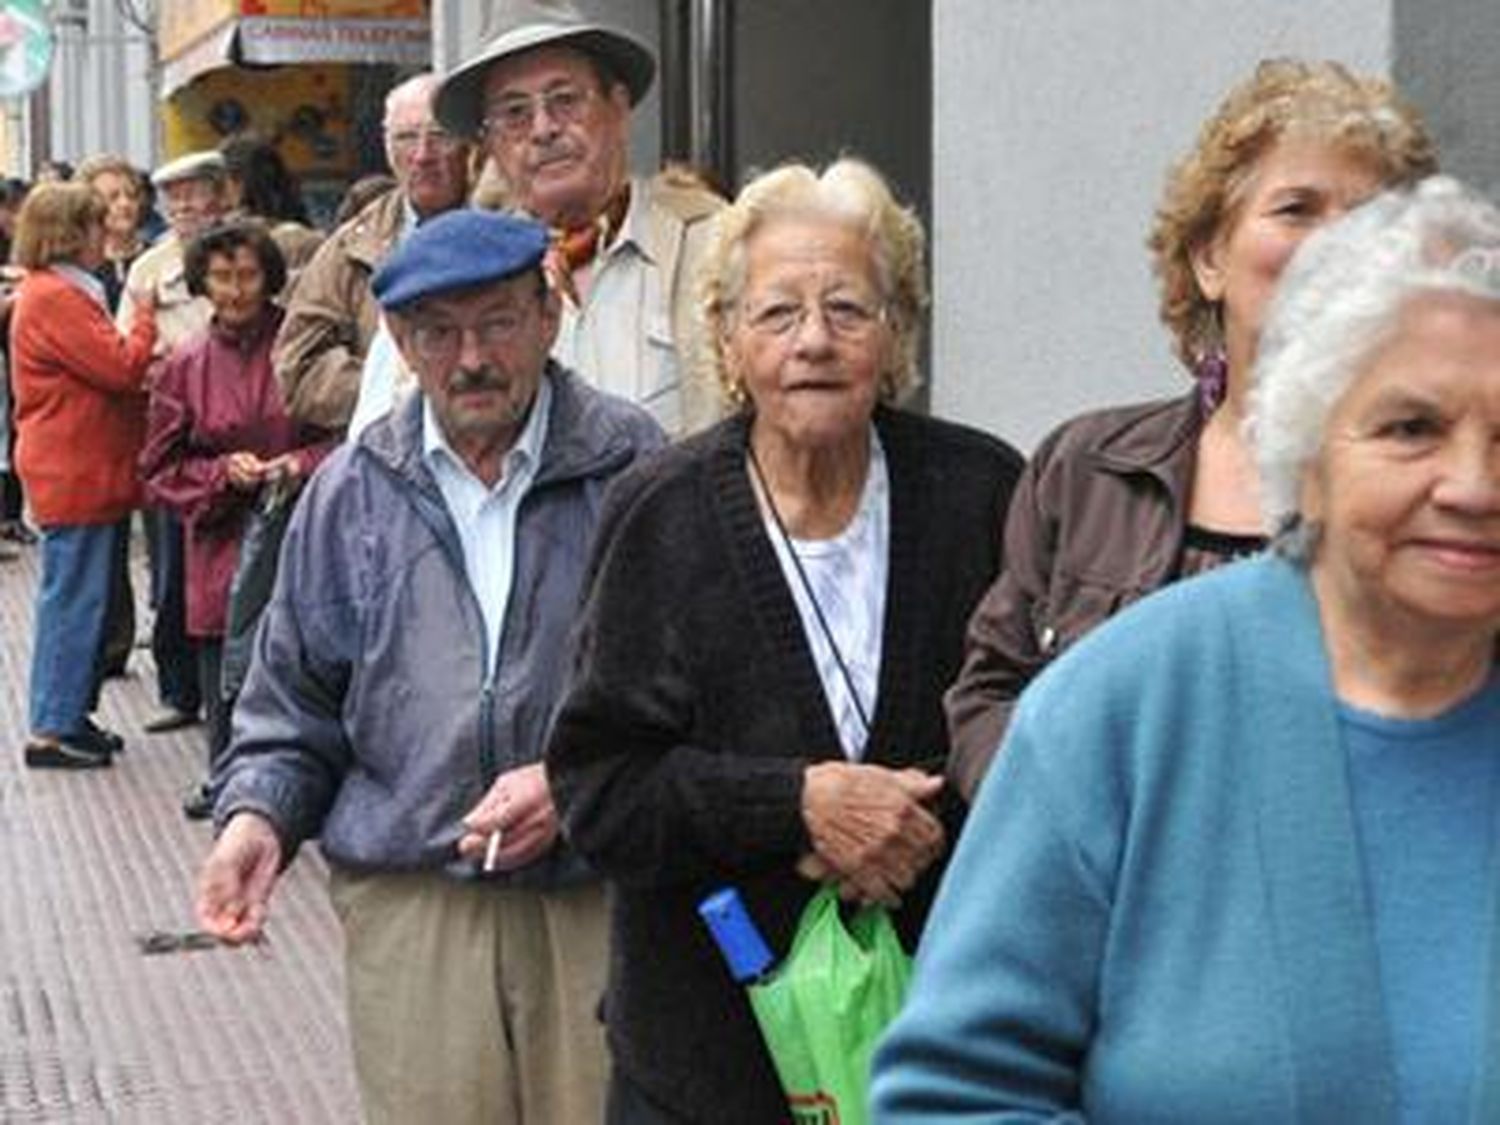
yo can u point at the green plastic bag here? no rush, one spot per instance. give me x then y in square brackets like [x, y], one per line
[824, 1008]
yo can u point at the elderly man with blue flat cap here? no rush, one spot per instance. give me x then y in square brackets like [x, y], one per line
[403, 684]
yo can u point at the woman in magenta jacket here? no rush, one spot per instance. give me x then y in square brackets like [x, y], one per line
[218, 432]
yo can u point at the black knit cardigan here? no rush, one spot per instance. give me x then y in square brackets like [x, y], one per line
[678, 755]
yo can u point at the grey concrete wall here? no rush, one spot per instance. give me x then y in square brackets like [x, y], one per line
[1054, 125]
[1447, 59]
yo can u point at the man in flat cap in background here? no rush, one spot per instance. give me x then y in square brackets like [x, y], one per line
[331, 316]
[550, 97]
[194, 196]
[403, 684]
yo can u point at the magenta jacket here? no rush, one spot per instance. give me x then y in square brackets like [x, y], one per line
[217, 395]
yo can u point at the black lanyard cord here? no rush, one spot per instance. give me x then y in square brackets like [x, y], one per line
[838, 656]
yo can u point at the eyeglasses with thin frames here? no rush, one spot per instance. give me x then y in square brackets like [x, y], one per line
[407, 140]
[511, 116]
[442, 341]
[846, 317]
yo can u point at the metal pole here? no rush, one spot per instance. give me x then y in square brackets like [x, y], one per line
[676, 79]
[39, 133]
[711, 91]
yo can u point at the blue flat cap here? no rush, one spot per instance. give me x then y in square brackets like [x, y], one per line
[458, 250]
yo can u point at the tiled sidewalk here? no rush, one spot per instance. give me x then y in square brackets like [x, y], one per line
[92, 1029]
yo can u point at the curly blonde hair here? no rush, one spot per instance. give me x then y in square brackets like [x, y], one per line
[1321, 101]
[850, 192]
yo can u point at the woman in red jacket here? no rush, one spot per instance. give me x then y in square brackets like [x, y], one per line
[217, 432]
[80, 418]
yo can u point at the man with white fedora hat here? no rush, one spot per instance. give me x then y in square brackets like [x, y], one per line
[550, 97]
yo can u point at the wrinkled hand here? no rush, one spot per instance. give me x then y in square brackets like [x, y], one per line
[244, 470]
[519, 806]
[286, 467]
[235, 884]
[870, 829]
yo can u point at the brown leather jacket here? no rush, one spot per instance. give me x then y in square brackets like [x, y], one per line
[331, 317]
[1096, 522]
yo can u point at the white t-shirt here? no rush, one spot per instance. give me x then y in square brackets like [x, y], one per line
[848, 577]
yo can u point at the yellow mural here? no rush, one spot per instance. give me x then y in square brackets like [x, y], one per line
[303, 110]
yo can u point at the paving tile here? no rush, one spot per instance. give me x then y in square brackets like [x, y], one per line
[92, 1029]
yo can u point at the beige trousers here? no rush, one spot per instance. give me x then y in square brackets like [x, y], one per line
[470, 1003]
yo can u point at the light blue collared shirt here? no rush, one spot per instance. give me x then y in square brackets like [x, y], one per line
[485, 516]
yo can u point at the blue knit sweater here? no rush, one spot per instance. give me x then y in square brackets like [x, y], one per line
[1157, 910]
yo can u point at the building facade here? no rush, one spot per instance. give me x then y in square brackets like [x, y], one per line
[1032, 138]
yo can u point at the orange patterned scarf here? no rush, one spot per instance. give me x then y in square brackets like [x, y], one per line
[575, 248]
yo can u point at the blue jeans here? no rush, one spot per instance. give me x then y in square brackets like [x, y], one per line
[71, 607]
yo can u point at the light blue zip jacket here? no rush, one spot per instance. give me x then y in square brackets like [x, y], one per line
[367, 717]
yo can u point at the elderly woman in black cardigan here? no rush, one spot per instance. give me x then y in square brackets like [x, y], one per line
[775, 608]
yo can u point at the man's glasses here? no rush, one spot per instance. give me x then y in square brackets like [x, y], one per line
[845, 317]
[442, 341]
[512, 115]
[409, 140]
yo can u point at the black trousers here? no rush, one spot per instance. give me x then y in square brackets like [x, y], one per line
[12, 501]
[216, 709]
[176, 664]
[628, 1104]
[119, 627]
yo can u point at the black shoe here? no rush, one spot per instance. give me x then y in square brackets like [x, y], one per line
[170, 720]
[199, 804]
[65, 754]
[103, 737]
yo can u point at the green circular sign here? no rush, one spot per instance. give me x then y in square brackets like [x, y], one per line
[25, 46]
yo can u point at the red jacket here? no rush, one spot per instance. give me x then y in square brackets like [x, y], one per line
[215, 396]
[80, 406]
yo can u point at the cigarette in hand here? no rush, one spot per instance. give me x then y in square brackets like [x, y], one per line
[492, 851]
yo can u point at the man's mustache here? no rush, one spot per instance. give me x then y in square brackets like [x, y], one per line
[484, 378]
[558, 150]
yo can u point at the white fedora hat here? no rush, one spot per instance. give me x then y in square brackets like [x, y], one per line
[525, 25]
